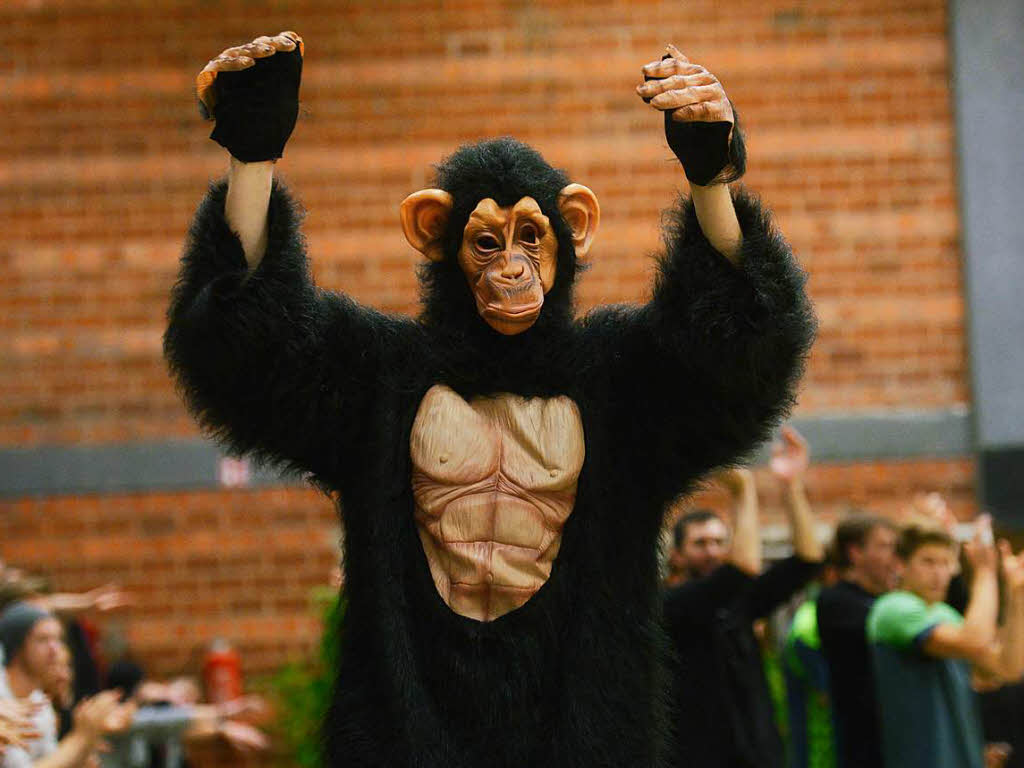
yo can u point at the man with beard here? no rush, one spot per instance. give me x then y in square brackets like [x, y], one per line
[32, 641]
[724, 713]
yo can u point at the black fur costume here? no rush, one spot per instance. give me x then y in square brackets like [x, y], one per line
[312, 381]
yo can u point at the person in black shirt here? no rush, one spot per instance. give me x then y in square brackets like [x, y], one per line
[865, 550]
[722, 709]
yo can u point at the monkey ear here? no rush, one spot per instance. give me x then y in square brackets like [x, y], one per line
[424, 218]
[582, 213]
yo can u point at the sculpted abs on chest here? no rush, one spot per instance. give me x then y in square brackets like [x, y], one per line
[494, 481]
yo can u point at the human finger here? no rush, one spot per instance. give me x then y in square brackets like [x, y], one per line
[236, 51]
[682, 97]
[229, 63]
[675, 53]
[670, 66]
[298, 40]
[794, 438]
[113, 600]
[983, 530]
[105, 702]
[28, 733]
[653, 87]
[1005, 551]
[704, 112]
[283, 42]
[244, 737]
[258, 49]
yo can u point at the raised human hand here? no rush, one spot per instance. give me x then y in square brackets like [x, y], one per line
[996, 754]
[119, 718]
[109, 597]
[734, 479]
[791, 456]
[91, 713]
[243, 737]
[252, 92]
[701, 125]
[1013, 567]
[931, 508]
[981, 550]
[103, 715]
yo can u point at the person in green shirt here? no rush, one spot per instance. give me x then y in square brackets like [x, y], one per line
[921, 648]
[812, 738]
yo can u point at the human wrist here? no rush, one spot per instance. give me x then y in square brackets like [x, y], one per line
[984, 575]
[793, 486]
[83, 735]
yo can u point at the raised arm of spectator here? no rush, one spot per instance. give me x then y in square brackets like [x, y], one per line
[745, 553]
[790, 459]
[975, 638]
[1010, 660]
[785, 578]
[106, 598]
[210, 721]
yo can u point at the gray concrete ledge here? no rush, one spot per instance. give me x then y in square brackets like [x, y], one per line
[52, 470]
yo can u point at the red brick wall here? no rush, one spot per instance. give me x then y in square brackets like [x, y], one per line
[850, 132]
[234, 564]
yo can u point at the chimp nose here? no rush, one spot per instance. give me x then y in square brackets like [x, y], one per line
[513, 268]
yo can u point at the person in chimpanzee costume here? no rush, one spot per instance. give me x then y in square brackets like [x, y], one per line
[503, 466]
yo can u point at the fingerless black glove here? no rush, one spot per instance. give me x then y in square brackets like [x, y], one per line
[705, 150]
[256, 108]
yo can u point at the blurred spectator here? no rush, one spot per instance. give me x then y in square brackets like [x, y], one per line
[168, 719]
[700, 543]
[725, 715]
[921, 647]
[33, 650]
[31, 639]
[1002, 706]
[79, 633]
[808, 690]
[864, 550]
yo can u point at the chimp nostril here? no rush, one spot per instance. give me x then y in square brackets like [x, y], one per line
[513, 270]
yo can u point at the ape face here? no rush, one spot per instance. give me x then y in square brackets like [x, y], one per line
[509, 256]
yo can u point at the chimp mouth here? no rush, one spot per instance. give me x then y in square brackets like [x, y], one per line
[519, 315]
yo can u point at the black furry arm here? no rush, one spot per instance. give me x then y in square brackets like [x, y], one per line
[271, 365]
[703, 372]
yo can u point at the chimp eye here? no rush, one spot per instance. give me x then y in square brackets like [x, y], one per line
[487, 243]
[528, 234]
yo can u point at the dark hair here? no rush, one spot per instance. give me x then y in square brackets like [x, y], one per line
[853, 530]
[693, 517]
[913, 537]
[126, 675]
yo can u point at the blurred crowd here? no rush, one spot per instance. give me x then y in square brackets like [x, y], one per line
[890, 642]
[63, 704]
[884, 642]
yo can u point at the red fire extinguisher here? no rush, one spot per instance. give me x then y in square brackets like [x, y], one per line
[222, 672]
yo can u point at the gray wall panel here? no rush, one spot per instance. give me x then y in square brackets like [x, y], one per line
[56, 470]
[988, 77]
